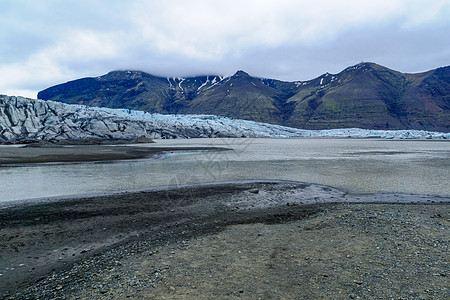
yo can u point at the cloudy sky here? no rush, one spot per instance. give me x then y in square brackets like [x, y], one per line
[46, 42]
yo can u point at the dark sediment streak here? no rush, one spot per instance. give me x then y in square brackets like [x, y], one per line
[16, 156]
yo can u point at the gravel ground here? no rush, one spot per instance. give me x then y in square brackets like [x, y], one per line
[235, 249]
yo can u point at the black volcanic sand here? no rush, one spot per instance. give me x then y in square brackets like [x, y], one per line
[14, 156]
[250, 240]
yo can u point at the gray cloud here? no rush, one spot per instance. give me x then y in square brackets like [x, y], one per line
[47, 42]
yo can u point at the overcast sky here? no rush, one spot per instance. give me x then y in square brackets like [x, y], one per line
[46, 42]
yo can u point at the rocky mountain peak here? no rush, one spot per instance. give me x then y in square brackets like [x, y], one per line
[241, 73]
[365, 95]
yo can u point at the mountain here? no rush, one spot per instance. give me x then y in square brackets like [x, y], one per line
[23, 119]
[366, 95]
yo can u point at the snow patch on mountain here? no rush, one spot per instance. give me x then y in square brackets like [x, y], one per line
[203, 84]
[24, 119]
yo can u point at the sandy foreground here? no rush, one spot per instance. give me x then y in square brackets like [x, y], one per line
[249, 240]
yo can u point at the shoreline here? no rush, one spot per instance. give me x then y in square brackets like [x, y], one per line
[68, 154]
[40, 239]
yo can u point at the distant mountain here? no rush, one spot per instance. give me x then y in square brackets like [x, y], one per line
[366, 95]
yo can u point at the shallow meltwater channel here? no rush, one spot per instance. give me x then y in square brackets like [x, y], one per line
[355, 165]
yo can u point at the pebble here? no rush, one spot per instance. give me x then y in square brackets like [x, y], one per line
[134, 282]
[254, 191]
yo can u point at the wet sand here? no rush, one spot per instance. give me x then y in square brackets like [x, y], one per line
[16, 156]
[252, 240]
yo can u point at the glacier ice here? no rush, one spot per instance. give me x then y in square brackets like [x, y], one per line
[24, 119]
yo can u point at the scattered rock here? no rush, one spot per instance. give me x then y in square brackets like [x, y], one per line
[134, 282]
[254, 191]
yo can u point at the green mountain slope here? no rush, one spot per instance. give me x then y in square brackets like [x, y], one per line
[366, 96]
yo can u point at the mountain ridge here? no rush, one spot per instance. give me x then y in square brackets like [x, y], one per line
[366, 95]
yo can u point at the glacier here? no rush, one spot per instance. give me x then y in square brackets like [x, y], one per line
[23, 119]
